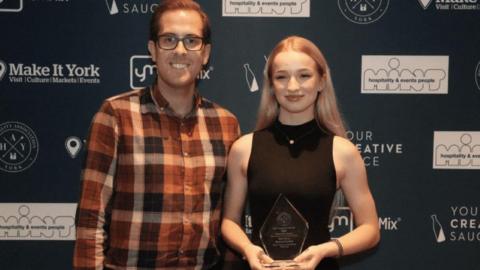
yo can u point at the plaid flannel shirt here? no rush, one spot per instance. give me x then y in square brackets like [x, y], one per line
[152, 184]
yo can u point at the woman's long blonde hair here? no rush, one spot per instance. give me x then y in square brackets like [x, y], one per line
[327, 113]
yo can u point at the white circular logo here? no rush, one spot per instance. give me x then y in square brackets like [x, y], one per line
[363, 11]
[477, 75]
[18, 147]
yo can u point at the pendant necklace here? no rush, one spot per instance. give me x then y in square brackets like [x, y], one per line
[292, 141]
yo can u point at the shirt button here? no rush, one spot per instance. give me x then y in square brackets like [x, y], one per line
[185, 154]
[180, 252]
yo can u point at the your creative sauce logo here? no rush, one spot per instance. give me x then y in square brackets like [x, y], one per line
[372, 149]
[266, 8]
[18, 147]
[387, 74]
[129, 7]
[251, 79]
[37, 221]
[446, 5]
[363, 11]
[11, 5]
[34, 73]
[456, 150]
[461, 223]
[142, 71]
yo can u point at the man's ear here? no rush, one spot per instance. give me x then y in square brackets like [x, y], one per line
[206, 53]
[152, 50]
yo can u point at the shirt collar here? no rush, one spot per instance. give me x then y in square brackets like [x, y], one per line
[161, 103]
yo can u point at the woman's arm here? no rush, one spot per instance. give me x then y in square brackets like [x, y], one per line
[234, 203]
[352, 179]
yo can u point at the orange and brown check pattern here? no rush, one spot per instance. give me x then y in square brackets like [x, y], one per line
[152, 184]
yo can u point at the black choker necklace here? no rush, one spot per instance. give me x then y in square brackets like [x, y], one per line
[292, 141]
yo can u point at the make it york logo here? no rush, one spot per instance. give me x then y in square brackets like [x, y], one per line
[3, 69]
[18, 147]
[425, 3]
[363, 11]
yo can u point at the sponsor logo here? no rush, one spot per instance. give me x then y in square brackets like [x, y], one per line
[73, 145]
[458, 224]
[3, 69]
[11, 5]
[266, 8]
[250, 78]
[477, 76]
[37, 221]
[446, 5]
[128, 7]
[456, 150]
[386, 74]
[142, 71]
[425, 3]
[371, 149]
[363, 11]
[49, 74]
[18, 147]
[343, 222]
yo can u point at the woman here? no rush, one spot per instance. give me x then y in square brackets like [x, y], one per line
[298, 150]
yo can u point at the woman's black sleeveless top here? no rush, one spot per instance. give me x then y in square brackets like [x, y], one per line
[303, 171]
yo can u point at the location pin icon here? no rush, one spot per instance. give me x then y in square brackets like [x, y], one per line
[3, 68]
[73, 145]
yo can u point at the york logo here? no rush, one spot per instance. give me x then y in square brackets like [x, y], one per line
[384, 74]
[363, 11]
[266, 8]
[18, 147]
[456, 150]
[11, 5]
[142, 71]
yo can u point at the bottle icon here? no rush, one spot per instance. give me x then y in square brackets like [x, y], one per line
[113, 8]
[438, 230]
[250, 78]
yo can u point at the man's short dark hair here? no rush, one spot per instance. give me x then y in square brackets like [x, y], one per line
[169, 5]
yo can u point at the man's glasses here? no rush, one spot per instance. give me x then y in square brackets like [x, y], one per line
[170, 42]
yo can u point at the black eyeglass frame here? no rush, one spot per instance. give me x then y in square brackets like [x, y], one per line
[182, 39]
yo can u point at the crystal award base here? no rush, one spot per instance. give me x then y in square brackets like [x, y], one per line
[281, 264]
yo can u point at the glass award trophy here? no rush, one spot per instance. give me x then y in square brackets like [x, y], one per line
[283, 234]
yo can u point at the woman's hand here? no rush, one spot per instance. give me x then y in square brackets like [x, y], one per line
[256, 257]
[311, 257]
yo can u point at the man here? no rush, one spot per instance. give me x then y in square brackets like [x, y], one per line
[155, 165]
